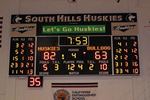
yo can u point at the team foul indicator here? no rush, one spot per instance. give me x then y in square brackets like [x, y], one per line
[74, 44]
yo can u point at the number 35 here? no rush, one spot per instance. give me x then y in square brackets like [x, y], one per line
[35, 81]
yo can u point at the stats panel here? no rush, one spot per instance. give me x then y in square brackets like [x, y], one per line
[74, 55]
[125, 55]
[22, 55]
[74, 44]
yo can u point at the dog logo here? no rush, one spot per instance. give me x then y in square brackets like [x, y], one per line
[61, 95]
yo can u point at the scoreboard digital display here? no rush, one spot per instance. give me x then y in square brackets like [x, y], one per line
[74, 44]
[22, 56]
[125, 55]
[74, 55]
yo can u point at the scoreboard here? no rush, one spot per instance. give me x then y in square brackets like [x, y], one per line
[74, 55]
[74, 44]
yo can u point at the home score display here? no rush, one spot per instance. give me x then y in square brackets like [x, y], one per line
[74, 44]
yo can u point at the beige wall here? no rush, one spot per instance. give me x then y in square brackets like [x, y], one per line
[110, 87]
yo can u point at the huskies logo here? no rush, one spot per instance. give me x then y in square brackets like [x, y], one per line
[61, 95]
[17, 19]
[124, 28]
[131, 18]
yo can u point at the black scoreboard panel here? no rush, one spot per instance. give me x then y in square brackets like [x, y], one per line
[74, 44]
[74, 55]
[22, 56]
[125, 55]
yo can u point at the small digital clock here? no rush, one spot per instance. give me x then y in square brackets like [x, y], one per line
[74, 40]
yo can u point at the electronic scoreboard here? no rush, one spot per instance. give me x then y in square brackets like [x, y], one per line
[74, 44]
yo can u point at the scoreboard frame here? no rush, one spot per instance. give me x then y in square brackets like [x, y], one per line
[55, 35]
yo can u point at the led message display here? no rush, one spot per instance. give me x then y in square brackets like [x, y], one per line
[61, 29]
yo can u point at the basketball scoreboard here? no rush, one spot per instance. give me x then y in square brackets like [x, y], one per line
[74, 44]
